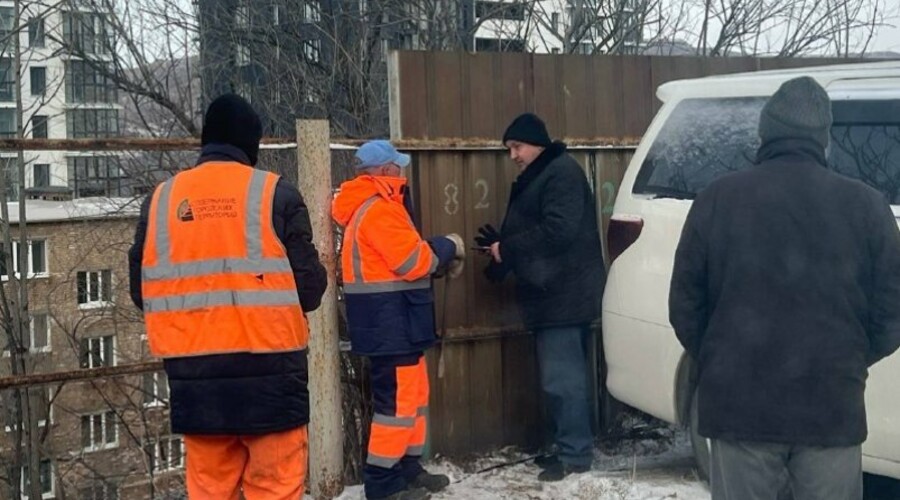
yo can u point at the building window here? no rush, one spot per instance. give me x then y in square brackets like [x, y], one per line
[37, 259]
[311, 12]
[242, 54]
[97, 352]
[8, 123]
[88, 123]
[500, 10]
[96, 176]
[39, 126]
[40, 404]
[100, 490]
[94, 288]
[156, 389]
[584, 48]
[554, 22]
[46, 474]
[167, 454]
[86, 32]
[9, 167]
[7, 80]
[7, 21]
[39, 333]
[312, 50]
[88, 82]
[36, 32]
[98, 431]
[38, 80]
[242, 16]
[42, 174]
[7, 27]
[499, 45]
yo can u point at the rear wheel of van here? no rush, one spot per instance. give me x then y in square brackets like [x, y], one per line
[700, 444]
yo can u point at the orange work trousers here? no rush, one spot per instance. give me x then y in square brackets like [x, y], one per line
[400, 397]
[262, 467]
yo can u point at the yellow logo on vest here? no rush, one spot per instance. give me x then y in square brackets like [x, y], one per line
[185, 214]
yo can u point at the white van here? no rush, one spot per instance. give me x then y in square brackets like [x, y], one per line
[706, 128]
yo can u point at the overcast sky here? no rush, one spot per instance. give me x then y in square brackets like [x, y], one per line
[887, 38]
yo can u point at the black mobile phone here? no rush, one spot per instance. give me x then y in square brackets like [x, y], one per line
[480, 249]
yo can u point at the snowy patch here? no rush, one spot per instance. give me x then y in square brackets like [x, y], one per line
[647, 469]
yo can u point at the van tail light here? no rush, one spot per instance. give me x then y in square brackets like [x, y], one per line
[623, 231]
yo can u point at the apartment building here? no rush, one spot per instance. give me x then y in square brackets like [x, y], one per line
[64, 95]
[100, 439]
[307, 58]
[553, 26]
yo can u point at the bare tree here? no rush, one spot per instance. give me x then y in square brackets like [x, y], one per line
[787, 28]
[784, 28]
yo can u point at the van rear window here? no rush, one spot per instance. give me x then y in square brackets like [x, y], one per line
[865, 144]
[704, 139]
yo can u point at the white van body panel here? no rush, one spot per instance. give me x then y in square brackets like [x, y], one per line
[642, 352]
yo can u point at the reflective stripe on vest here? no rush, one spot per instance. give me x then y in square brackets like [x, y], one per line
[220, 298]
[254, 262]
[359, 286]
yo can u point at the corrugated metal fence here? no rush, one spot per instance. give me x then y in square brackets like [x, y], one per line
[485, 390]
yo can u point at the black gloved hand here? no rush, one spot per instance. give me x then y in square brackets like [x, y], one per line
[495, 272]
[488, 236]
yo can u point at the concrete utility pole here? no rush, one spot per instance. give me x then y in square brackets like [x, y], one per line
[326, 436]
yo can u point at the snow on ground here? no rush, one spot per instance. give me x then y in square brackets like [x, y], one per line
[648, 469]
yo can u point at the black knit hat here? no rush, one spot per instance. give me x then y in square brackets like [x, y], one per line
[528, 128]
[231, 120]
[800, 109]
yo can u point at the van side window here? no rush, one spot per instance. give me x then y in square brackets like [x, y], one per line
[702, 140]
[865, 144]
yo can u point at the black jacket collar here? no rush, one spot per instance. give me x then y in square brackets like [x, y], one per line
[537, 167]
[791, 147]
[222, 152]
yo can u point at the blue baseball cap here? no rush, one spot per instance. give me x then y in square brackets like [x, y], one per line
[380, 152]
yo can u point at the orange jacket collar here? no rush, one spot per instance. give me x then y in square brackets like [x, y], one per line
[355, 192]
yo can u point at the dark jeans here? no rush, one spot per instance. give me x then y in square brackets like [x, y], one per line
[743, 470]
[562, 363]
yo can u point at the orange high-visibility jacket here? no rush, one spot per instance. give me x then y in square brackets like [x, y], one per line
[215, 277]
[386, 267]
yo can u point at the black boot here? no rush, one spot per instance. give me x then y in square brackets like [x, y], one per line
[560, 470]
[432, 482]
[545, 461]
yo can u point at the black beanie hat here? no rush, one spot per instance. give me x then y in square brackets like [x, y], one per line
[231, 120]
[800, 109]
[528, 128]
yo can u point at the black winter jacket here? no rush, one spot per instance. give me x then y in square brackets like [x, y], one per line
[551, 242]
[244, 393]
[786, 288]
